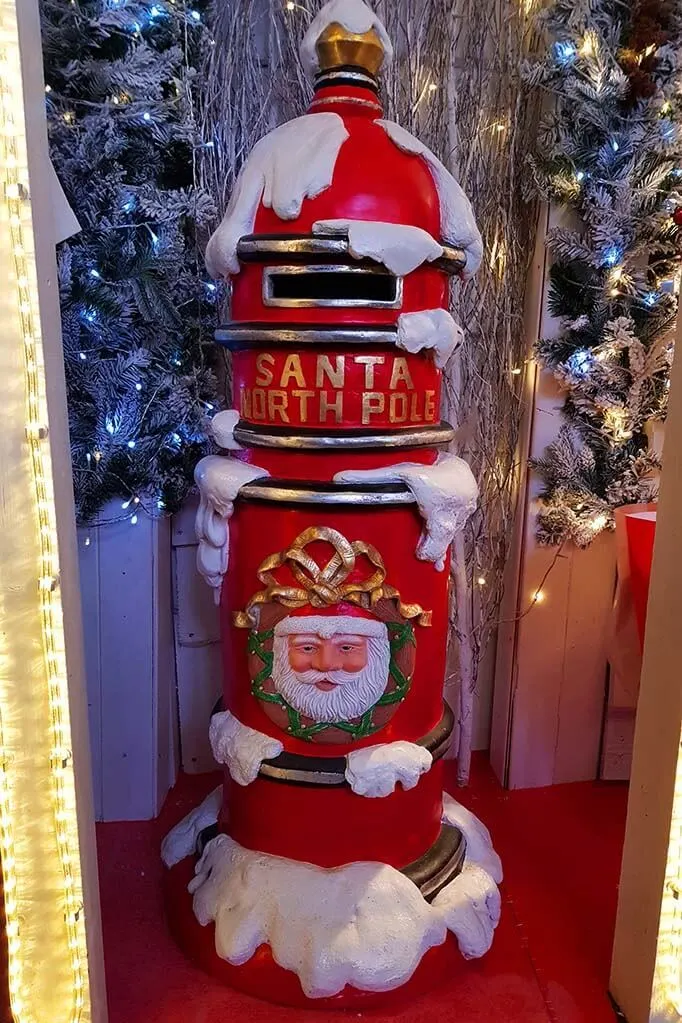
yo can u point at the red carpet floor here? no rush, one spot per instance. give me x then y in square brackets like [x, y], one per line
[561, 851]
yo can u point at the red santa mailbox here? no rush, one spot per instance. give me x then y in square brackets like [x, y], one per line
[329, 867]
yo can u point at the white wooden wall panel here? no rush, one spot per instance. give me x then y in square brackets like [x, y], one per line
[552, 656]
[126, 596]
[199, 687]
[197, 646]
[88, 560]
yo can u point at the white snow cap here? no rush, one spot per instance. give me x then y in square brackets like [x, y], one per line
[375, 771]
[447, 494]
[480, 849]
[241, 748]
[294, 162]
[457, 221]
[355, 16]
[400, 247]
[219, 479]
[181, 841]
[430, 328]
[223, 426]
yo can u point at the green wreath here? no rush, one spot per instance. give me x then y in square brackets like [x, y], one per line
[399, 635]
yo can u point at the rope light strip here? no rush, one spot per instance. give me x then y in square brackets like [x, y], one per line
[13, 171]
[667, 985]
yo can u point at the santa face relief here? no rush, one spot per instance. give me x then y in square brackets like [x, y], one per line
[329, 668]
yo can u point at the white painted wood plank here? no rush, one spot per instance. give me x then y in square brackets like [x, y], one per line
[538, 669]
[88, 562]
[126, 602]
[164, 690]
[583, 691]
[483, 698]
[183, 523]
[196, 615]
[199, 687]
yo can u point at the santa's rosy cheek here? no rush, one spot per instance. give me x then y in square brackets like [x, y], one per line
[356, 660]
[299, 660]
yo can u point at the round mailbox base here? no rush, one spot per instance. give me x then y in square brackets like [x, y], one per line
[262, 978]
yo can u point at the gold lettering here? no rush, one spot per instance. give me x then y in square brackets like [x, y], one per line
[400, 374]
[245, 403]
[397, 408]
[369, 362]
[430, 411]
[292, 370]
[264, 375]
[258, 398]
[335, 406]
[373, 404]
[336, 376]
[303, 397]
[278, 402]
[414, 412]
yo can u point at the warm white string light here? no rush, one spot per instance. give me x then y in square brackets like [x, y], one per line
[667, 992]
[17, 210]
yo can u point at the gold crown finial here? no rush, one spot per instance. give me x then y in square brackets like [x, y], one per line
[339, 47]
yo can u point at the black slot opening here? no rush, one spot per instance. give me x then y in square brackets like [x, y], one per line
[369, 288]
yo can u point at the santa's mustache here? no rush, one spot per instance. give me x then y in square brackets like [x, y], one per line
[339, 678]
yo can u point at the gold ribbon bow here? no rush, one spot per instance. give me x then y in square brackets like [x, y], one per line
[323, 587]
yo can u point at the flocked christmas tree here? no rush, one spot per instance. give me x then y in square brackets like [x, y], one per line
[137, 305]
[610, 152]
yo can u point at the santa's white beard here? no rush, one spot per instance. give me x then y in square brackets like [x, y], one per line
[354, 692]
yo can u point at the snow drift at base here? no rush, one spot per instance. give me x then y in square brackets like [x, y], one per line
[365, 925]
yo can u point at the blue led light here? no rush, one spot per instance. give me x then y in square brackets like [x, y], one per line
[651, 298]
[565, 51]
[138, 387]
[195, 15]
[95, 273]
[131, 444]
[580, 362]
[146, 116]
[613, 255]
